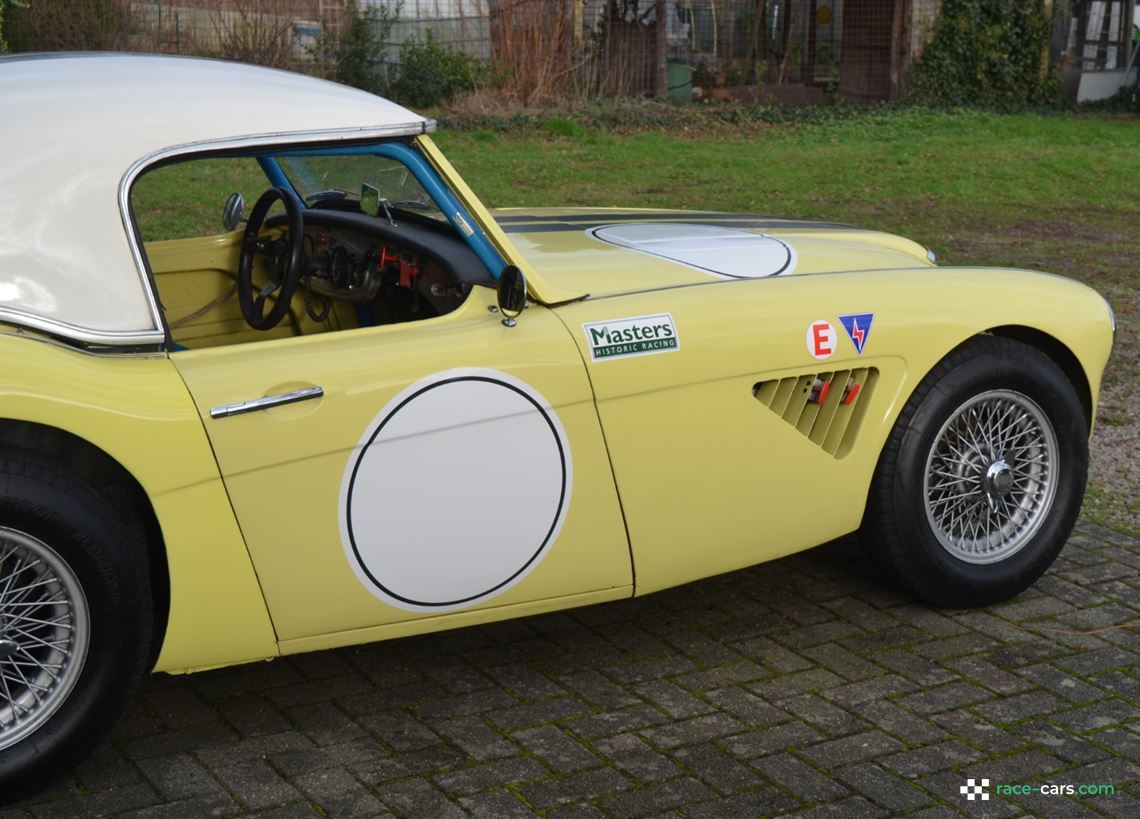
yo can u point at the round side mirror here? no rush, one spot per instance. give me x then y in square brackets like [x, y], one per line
[512, 294]
[231, 213]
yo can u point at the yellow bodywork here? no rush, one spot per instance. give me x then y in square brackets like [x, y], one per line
[284, 466]
[138, 411]
[710, 478]
[555, 242]
[680, 469]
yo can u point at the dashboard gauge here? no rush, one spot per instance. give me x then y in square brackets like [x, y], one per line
[320, 266]
[357, 270]
[340, 268]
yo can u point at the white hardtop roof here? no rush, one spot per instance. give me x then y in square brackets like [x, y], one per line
[75, 129]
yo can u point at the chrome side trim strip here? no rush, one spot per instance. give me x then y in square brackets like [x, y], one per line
[21, 318]
[269, 401]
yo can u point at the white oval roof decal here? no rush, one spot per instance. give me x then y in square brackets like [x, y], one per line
[723, 252]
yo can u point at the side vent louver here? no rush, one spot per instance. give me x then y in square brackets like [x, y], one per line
[827, 407]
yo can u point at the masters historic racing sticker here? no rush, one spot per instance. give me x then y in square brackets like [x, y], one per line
[625, 337]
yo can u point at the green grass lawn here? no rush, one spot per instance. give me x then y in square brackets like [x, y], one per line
[946, 180]
[1058, 193]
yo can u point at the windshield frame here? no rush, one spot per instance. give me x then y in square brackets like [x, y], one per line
[433, 185]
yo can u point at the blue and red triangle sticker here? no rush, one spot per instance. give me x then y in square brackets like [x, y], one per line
[858, 327]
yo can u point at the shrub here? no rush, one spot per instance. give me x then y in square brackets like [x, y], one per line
[430, 74]
[3, 4]
[533, 47]
[353, 53]
[988, 52]
[260, 34]
[55, 25]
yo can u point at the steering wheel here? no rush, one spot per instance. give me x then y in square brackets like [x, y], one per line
[286, 260]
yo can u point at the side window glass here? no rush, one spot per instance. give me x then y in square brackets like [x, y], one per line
[185, 199]
[362, 243]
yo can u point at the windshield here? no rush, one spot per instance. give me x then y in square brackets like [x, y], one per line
[338, 182]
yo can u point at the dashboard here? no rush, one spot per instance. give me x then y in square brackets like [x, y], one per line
[408, 264]
[345, 265]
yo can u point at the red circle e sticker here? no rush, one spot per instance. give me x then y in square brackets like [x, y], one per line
[821, 338]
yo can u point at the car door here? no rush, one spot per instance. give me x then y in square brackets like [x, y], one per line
[414, 475]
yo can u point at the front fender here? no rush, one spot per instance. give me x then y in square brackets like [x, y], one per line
[693, 448]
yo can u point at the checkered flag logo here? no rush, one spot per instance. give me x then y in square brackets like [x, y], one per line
[972, 790]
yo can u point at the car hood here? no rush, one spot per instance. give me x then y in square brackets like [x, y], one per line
[604, 251]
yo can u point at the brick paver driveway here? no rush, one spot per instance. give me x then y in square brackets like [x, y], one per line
[798, 687]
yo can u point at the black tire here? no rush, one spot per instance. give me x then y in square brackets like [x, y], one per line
[81, 543]
[981, 479]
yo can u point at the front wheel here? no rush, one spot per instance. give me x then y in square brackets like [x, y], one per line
[982, 477]
[75, 622]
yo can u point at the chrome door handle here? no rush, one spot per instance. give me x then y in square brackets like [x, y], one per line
[269, 401]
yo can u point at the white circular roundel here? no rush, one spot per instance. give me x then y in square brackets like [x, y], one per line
[821, 339]
[457, 490]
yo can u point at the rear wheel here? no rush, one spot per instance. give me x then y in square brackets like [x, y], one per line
[982, 478]
[75, 622]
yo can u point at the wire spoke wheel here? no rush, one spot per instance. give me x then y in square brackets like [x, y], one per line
[44, 634]
[991, 476]
[981, 480]
[75, 617]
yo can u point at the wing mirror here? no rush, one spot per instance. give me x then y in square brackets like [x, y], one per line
[512, 294]
[231, 213]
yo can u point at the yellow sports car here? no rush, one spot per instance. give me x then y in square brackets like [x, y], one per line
[367, 407]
